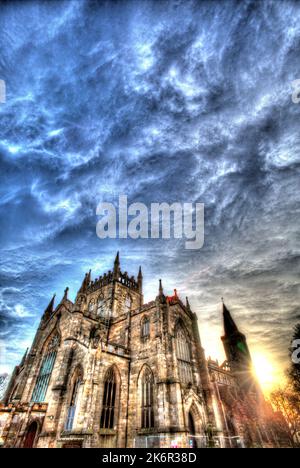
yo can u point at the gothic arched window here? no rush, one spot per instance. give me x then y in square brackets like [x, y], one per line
[109, 400]
[145, 328]
[74, 400]
[147, 399]
[183, 355]
[42, 382]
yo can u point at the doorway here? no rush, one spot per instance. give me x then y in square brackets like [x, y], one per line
[192, 432]
[30, 435]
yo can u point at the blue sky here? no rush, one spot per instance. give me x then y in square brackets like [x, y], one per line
[174, 101]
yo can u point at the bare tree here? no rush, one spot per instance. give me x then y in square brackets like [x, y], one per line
[287, 402]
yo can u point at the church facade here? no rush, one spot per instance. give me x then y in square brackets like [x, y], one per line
[111, 371]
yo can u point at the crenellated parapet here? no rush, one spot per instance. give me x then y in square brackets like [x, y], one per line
[114, 276]
[108, 278]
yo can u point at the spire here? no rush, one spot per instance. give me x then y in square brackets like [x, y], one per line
[237, 352]
[140, 280]
[85, 282]
[51, 304]
[65, 294]
[49, 309]
[161, 297]
[229, 324]
[188, 304]
[161, 291]
[117, 266]
[89, 276]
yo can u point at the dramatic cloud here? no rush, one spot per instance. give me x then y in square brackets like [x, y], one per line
[161, 101]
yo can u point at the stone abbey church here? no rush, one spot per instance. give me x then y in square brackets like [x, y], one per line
[111, 371]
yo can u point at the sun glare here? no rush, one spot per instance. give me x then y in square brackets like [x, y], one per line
[264, 371]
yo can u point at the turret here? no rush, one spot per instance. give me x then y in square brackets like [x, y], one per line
[140, 281]
[116, 272]
[85, 282]
[65, 298]
[88, 278]
[188, 307]
[161, 297]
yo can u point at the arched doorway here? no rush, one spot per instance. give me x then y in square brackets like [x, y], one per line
[192, 431]
[30, 435]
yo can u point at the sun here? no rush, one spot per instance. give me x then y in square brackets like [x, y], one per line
[264, 371]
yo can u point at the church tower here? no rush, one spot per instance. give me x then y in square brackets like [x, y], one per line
[108, 298]
[237, 353]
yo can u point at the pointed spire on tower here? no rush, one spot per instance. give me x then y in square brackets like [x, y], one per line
[49, 309]
[237, 352]
[161, 297]
[89, 277]
[188, 304]
[229, 324]
[140, 280]
[117, 259]
[84, 284]
[161, 290]
[51, 304]
[65, 294]
[117, 266]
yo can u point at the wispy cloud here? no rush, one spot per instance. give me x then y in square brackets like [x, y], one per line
[163, 101]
